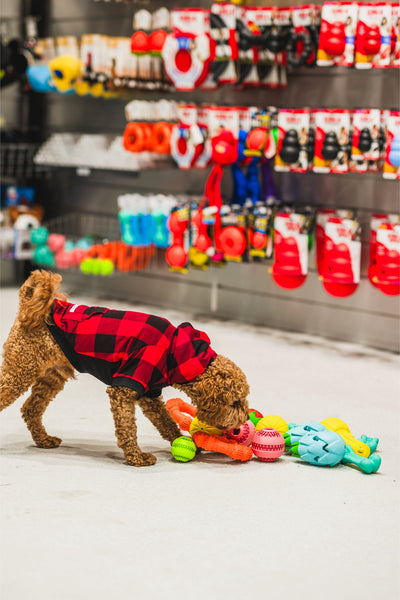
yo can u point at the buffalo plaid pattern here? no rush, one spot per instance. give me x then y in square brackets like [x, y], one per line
[127, 348]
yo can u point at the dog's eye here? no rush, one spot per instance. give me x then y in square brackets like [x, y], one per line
[235, 404]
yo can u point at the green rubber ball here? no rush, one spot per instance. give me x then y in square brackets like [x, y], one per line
[43, 256]
[39, 236]
[183, 449]
[96, 266]
[107, 267]
[86, 266]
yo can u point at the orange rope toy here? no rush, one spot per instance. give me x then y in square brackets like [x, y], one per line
[205, 436]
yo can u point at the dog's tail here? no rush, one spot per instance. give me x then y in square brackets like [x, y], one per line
[36, 297]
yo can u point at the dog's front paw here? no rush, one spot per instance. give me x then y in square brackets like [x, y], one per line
[48, 442]
[144, 459]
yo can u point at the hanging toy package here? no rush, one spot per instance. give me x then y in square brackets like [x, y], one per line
[259, 226]
[223, 33]
[278, 40]
[188, 51]
[224, 133]
[291, 152]
[303, 41]
[204, 152]
[253, 138]
[311, 140]
[373, 36]
[140, 48]
[291, 237]
[259, 22]
[323, 214]
[378, 166]
[337, 35]
[232, 238]
[178, 225]
[187, 142]
[269, 192]
[202, 222]
[365, 146]
[150, 31]
[340, 270]
[161, 26]
[384, 269]
[263, 36]
[391, 167]
[395, 38]
[259, 142]
[246, 68]
[332, 148]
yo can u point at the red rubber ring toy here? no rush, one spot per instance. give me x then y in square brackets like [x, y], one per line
[232, 241]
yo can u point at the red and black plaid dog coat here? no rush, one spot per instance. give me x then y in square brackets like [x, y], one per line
[131, 349]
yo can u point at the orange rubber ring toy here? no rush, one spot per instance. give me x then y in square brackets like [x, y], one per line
[161, 138]
[214, 443]
[137, 137]
[148, 135]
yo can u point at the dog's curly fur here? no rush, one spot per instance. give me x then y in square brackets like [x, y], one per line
[32, 359]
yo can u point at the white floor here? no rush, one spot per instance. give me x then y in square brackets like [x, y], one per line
[79, 523]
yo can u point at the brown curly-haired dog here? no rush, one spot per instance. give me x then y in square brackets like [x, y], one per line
[35, 356]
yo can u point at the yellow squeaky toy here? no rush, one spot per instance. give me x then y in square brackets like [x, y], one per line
[197, 425]
[65, 70]
[273, 422]
[343, 430]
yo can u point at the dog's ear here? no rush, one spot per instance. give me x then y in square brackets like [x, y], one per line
[28, 287]
[36, 298]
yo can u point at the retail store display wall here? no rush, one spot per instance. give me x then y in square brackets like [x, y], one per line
[238, 292]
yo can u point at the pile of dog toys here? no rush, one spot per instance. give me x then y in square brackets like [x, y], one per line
[267, 437]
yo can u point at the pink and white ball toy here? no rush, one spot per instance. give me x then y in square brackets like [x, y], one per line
[268, 444]
[244, 435]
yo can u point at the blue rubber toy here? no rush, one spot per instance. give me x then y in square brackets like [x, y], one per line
[245, 173]
[325, 448]
[394, 154]
[297, 432]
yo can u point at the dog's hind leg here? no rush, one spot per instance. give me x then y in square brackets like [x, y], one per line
[15, 379]
[45, 388]
[123, 402]
[154, 409]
